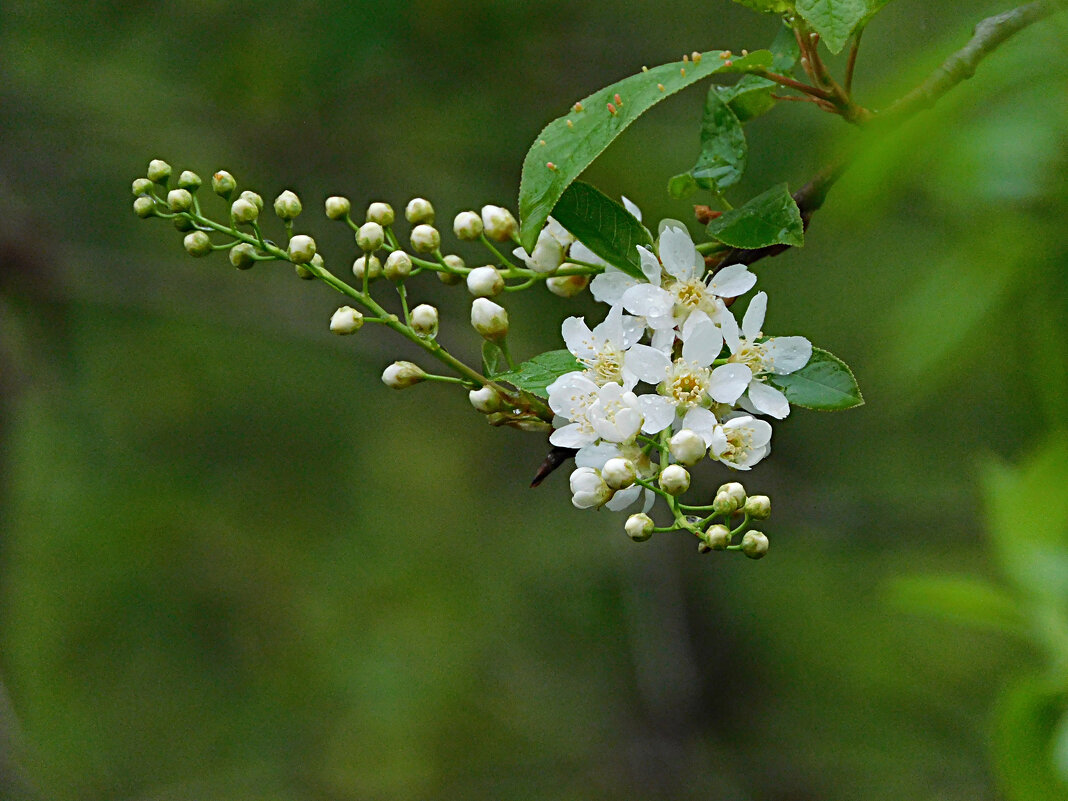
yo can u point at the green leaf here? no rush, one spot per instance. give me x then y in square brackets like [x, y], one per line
[873, 7]
[962, 599]
[833, 20]
[534, 376]
[571, 148]
[492, 356]
[603, 225]
[768, 6]
[724, 151]
[1026, 720]
[768, 219]
[751, 96]
[682, 186]
[825, 384]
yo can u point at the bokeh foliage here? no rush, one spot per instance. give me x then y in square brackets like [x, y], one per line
[233, 565]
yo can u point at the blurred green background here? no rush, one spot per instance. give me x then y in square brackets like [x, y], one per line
[233, 565]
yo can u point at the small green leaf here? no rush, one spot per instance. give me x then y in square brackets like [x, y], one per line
[535, 375]
[570, 148]
[768, 6]
[751, 96]
[962, 599]
[492, 356]
[771, 218]
[682, 186]
[724, 151]
[834, 20]
[825, 384]
[603, 225]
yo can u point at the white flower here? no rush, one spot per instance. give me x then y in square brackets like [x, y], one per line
[604, 350]
[615, 415]
[741, 441]
[549, 251]
[775, 356]
[587, 412]
[588, 488]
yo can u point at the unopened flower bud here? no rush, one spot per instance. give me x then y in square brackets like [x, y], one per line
[303, 273]
[724, 504]
[485, 400]
[197, 243]
[418, 211]
[401, 375]
[758, 507]
[567, 286]
[142, 186]
[346, 320]
[179, 200]
[489, 319]
[337, 207]
[467, 226]
[287, 205]
[189, 180]
[425, 319]
[398, 265]
[619, 473]
[243, 256]
[498, 223]
[588, 489]
[301, 249]
[485, 282]
[253, 197]
[425, 239]
[639, 527]
[244, 210]
[223, 184]
[453, 262]
[369, 263]
[144, 207]
[370, 237]
[736, 491]
[718, 537]
[687, 447]
[158, 171]
[754, 544]
[182, 223]
[381, 213]
[674, 479]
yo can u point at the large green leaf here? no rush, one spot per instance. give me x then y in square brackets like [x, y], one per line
[570, 143]
[535, 375]
[962, 599]
[834, 20]
[751, 96]
[724, 151]
[825, 383]
[771, 218]
[603, 225]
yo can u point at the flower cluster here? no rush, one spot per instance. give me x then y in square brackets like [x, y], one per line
[669, 378]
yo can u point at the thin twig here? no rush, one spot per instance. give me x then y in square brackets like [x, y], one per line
[851, 65]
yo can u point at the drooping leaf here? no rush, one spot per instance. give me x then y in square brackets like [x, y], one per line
[492, 357]
[570, 143]
[771, 218]
[825, 384]
[724, 151]
[751, 96]
[682, 186]
[833, 20]
[768, 6]
[603, 225]
[962, 599]
[535, 375]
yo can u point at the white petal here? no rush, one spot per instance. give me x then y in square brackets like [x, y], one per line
[611, 328]
[784, 355]
[702, 422]
[580, 252]
[703, 344]
[659, 413]
[631, 207]
[650, 265]
[647, 300]
[732, 281]
[676, 252]
[650, 499]
[768, 400]
[571, 436]
[729, 326]
[695, 317]
[609, 286]
[729, 382]
[624, 498]
[633, 330]
[648, 363]
[663, 337]
[754, 316]
[578, 337]
[596, 455]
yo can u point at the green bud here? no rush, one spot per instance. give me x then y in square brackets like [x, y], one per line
[243, 256]
[419, 211]
[425, 239]
[401, 375]
[398, 266]
[754, 544]
[301, 249]
[370, 237]
[287, 205]
[189, 180]
[303, 273]
[337, 207]
[369, 263]
[158, 171]
[758, 507]
[453, 262]
[450, 279]
[346, 320]
[567, 286]
[179, 200]
[718, 537]
[467, 226]
[674, 479]
[144, 207]
[252, 197]
[736, 491]
[425, 322]
[142, 186]
[639, 527]
[244, 210]
[197, 243]
[184, 224]
[223, 184]
[381, 213]
[724, 504]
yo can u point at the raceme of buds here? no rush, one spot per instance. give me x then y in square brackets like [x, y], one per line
[197, 243]
[223, 184]
[337, 207]
[158, 171]
[674, 479]
[754, 544]
[401, 375]
[142, 186]
[498, 223]
[244, 210]
[179, 200]
[381, 213]
[301, 249]
[287, 205]
[144, 207]
[346, 320]
[371, 264]
[425, 239]
[370, 237]
[485, 400]
[425, 319]
[398, 265]
[758, 507]
[242, 256]
[189, 180]
[418, 211]
[619, 473]
[489, 319]
[252, 197]
[687, 447]
[639, 527]
[567, 286]
[467, 226]
[588, 489]
[485, 282]
[718, 537]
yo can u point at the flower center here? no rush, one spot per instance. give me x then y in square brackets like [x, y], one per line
[606, 366]
[751, 354]
[687, 383]
[739, 443]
